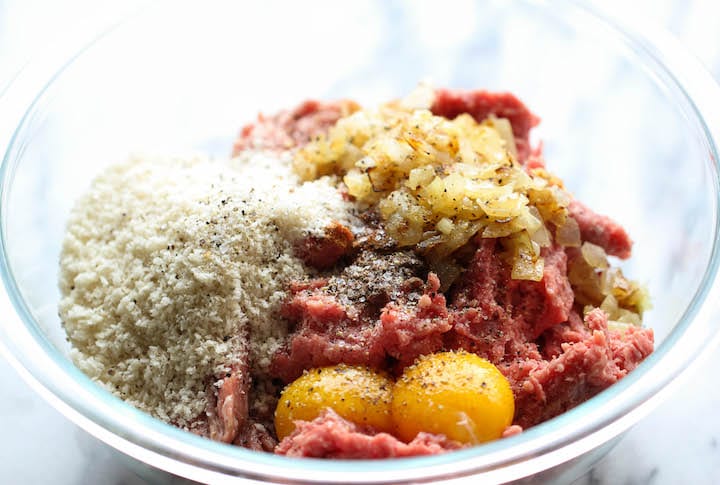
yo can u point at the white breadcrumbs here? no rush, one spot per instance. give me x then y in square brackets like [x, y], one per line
[169, 263]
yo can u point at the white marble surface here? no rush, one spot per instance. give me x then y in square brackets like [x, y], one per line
[679, 442]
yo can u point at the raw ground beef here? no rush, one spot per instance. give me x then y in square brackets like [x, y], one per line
[288, 129]
[587, 359]
[376, 312]
[231, 410]
[495, 316]
[330, 436]
[384, 309]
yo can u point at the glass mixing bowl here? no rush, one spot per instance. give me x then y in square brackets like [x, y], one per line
[630, 121]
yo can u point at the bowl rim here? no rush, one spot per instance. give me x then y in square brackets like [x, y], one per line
[593, 422]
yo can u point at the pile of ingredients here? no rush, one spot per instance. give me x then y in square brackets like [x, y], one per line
[353, 282]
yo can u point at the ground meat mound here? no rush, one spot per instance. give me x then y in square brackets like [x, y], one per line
[498, 317]
[376, 312]
[588, 358]
[330, 436]
[290, 128]
[382, 308]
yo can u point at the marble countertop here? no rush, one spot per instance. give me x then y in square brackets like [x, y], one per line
[679, 442]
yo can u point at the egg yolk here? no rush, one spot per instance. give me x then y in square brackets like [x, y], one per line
[457, 394]
[356, 393]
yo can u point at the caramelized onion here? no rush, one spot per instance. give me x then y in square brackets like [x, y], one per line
[568, 233]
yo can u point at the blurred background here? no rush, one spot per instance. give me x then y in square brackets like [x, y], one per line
[677, 443]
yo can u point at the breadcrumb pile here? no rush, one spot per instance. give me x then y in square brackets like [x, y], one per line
[170, 264]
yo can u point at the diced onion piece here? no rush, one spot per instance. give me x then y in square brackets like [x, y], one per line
[535, 247]
[609, 306]
[560, 196]
[607, 279]
[542, 237]
[422, 97]
[366, 163]
[405, 233]
[419, 177]
[622, 300]
[358, 184]
[621, 287]
[405, 218]
[463, 231]
[429, 243]
[528, 221]
[454, 189]
[536, 227]
[568, 233]
[305, 169]
[525, 267]
[521, 180]
[626, 316]
[445, 225]
[504, 128]
[388, 151]
[639, 299]
[499, 229]
[620, 327]
[504, 206]
[526, 263]
[585, 282]
[594, 255]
